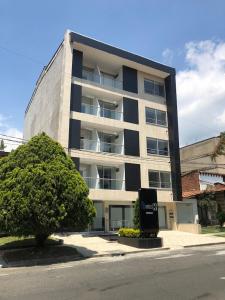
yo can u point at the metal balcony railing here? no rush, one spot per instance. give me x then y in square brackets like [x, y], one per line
[98, 146]
[104, 183]
[101, 112]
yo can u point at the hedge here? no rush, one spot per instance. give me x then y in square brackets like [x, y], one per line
[129, 232]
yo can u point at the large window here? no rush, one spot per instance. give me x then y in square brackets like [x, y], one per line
[155, 116]
[154, 88]
[159, 179]
[157, 147]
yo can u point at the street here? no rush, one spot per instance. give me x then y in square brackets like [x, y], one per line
[191, 273]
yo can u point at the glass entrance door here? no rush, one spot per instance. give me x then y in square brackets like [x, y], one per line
[120, 216]
[99, 220]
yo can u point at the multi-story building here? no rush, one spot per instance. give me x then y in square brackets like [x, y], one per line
[115, 113]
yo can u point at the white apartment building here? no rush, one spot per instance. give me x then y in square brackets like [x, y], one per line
[115, 113]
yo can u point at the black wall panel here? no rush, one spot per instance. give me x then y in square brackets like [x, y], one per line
[75, 98]
[132, 177]
[130, 110]
[130, 81]
[76, 161]
[74, 134]
[77, 63]
[171, 99]
[131, 142]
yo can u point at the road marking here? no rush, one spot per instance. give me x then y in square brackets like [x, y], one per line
[174, 256]
[223, 278]
[222, 252]
[1, 275]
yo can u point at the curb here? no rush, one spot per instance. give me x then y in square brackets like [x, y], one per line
[207, 244]
[38, 262]
[126, 253]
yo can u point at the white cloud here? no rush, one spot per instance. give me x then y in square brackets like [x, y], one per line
[201, 91]
[11, 136]
[167, 56]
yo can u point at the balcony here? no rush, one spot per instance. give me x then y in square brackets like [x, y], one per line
[102, 78]
[104, 183]
[101, 111]
[103, 177]
[98, 146]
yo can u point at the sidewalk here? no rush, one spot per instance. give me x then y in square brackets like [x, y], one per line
[90, 246]
[175, 239]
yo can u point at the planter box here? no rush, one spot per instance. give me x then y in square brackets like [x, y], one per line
[144, 243]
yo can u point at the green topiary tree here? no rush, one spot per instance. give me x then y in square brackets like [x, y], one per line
[41, 191]
[136, 219]
[2, 145]
[220, 216]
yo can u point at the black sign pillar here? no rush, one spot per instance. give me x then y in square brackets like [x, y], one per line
[149, 221]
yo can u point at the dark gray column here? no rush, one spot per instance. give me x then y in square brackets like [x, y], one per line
[77, 65]
[132, 177]
[131, 142]
[130, 80]
[75, 97]
[130, 110]
[171, 98]
[74, 134]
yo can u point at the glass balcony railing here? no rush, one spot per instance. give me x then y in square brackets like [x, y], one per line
[94, 145]
[101, 112]
[104, 183]
[103, 80]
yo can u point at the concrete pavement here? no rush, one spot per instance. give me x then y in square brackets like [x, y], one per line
[90, 246]
[183, 274]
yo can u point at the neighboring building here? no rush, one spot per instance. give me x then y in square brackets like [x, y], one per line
[115, 113]
[3, 153]
[198, 156]
[195, 184]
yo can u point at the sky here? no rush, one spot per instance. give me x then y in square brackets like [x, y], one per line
[188, 35]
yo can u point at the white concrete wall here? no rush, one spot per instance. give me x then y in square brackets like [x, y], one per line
[43, 112]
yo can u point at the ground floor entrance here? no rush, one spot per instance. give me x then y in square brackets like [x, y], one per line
[120, 216]
[110, 217]
[162, 217]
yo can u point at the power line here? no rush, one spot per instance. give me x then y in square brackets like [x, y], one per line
[14, 137]
[21, 54]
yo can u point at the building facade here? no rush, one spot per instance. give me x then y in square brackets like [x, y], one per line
[199, 156]
[209, 191]
[115, 113]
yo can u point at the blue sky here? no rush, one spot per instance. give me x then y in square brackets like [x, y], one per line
[30, 32]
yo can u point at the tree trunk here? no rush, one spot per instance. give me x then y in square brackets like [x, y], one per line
[41, 239]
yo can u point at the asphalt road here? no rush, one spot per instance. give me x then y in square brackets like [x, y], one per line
[193, 273]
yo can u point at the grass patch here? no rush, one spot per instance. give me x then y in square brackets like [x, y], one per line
[33, 254]
[13, 242]
[221, 234]
[213, 229]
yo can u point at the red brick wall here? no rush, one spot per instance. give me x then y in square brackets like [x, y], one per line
[190, 182]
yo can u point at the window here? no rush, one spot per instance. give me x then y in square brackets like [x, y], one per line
[158, 147]
[149, 86]
[154, 88]
[155, 116]
[159, 179]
